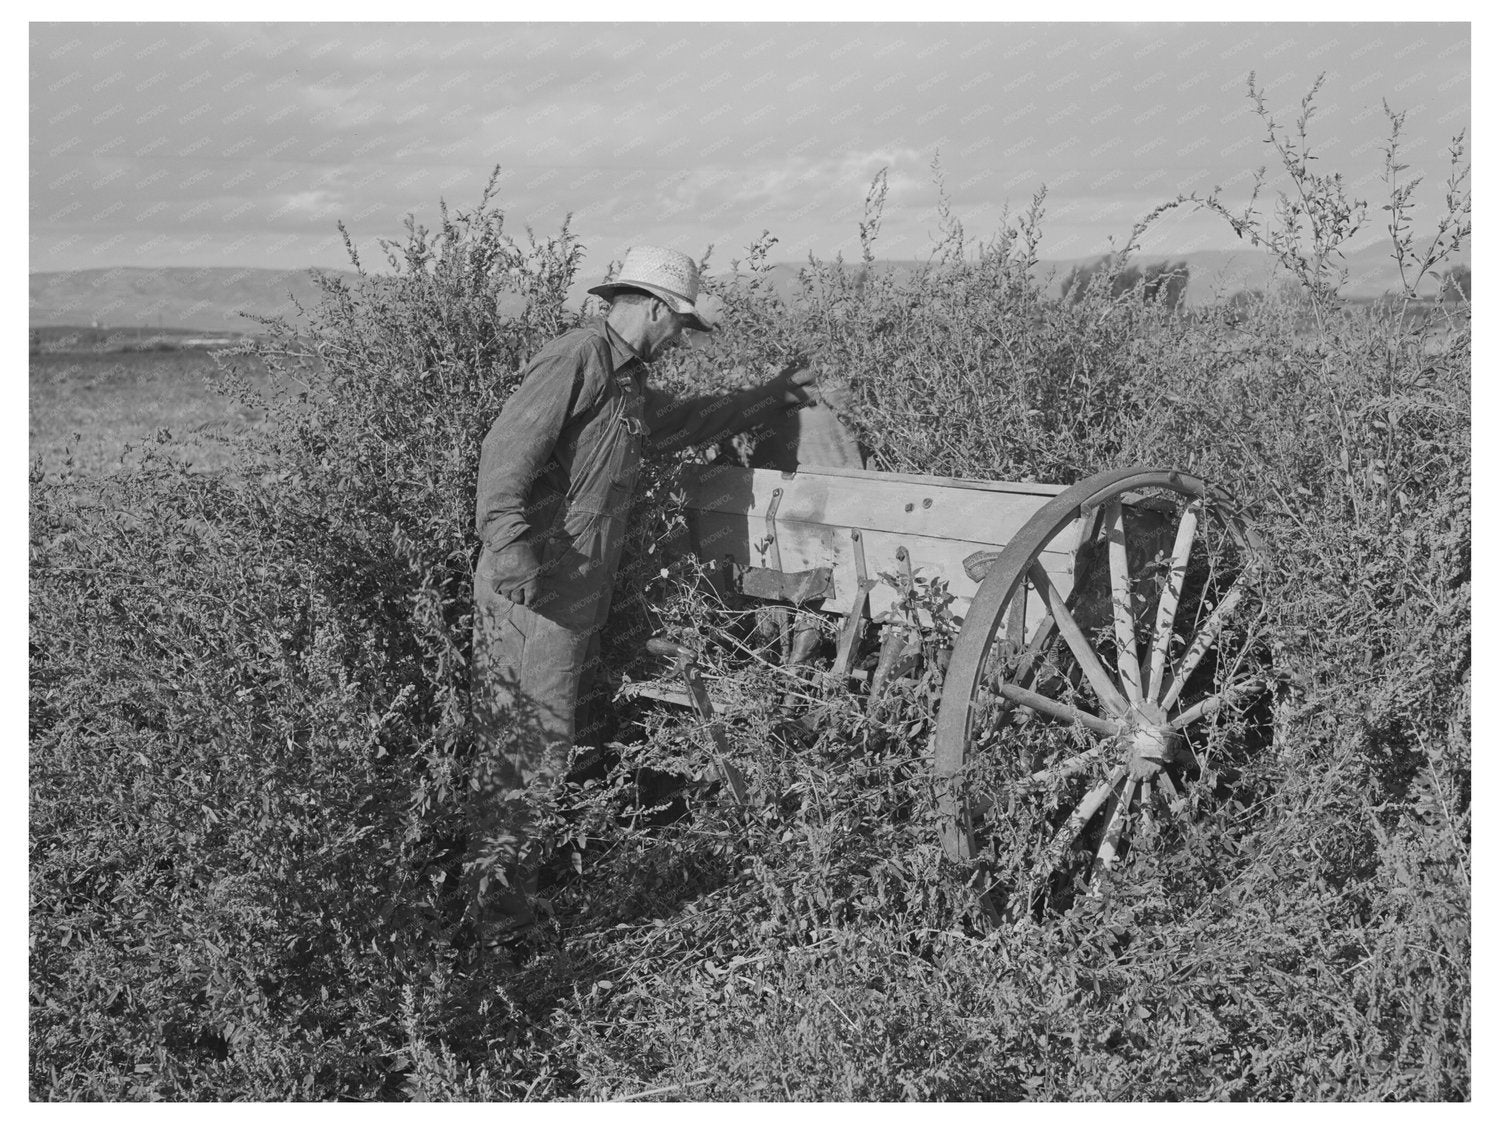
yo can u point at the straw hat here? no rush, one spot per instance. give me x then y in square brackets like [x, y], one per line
[668, 274]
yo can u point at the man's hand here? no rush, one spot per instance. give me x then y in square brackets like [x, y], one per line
[794, 382]
[518, 573]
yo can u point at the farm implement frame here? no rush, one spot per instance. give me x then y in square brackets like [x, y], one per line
[1116, 621]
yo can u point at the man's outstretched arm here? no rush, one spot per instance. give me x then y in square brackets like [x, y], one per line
[678, 424]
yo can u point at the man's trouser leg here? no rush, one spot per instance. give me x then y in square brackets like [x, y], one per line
[594, 711]
[525, 691]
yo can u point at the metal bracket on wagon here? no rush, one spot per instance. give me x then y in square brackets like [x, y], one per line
[766, 584]
[685, 663]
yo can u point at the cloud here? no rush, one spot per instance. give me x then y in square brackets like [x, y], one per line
[304, 205]
[695, 131]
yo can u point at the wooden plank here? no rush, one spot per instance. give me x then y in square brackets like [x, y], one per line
[938, 520]
[805, 546]
[707, 472]
[934, 507]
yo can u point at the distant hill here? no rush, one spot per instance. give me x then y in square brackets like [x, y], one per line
[211, 299]
[207, 299]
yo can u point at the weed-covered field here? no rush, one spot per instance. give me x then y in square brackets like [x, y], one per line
[87, 407]
[250, 754]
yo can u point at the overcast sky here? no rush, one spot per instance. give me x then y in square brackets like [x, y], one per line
[244, 144]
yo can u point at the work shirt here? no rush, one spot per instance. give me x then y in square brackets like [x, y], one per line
[558, 468]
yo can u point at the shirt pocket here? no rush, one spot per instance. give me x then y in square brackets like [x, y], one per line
[610, 501]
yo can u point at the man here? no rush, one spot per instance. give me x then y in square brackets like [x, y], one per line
[557, 476]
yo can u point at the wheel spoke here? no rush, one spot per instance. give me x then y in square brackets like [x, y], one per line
[1110, 848]
[1083, 652]
[1092, 528]
[1205, 639]
[1026, 664]
[1061, 711]
[1081, 815]
[1119, 577]
[1015, 624]
[1071, 767]
[1207, 708]
[1166, 608]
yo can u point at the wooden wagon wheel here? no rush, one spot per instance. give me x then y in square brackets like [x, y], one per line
[1097, 693]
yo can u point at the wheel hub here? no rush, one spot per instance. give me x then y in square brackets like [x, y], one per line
[1150, 741]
